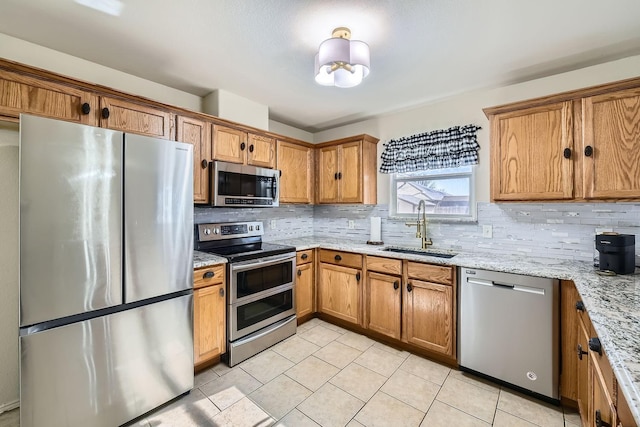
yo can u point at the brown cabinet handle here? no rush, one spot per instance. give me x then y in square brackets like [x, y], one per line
[581, 352]
[335, 176]
[339, 175]
[221, 292]
[251, 148]
[337, 258]
[396, 285]
[594, 345]
[242, 146]
[567, 153]
[204, 163]
[208, 275]
[588, 151]
[304, 256]
[409, 287]
[580, 306]
[86, 108]
[299, 273]
[358, 277]
[105, 113]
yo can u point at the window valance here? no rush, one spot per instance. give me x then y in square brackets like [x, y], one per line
[443, 148]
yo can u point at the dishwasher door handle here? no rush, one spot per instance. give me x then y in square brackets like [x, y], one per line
[489, 283]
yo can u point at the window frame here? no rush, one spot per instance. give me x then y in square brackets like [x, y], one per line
[472, 217]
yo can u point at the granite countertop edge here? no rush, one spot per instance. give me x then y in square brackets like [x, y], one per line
[613, 302]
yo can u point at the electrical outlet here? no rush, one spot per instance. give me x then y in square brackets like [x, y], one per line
[487, 231]
[273, 224]
[352, 224]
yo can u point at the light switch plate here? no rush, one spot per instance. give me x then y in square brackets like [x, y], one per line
[352, 224]
[273, 224]
[487, 231]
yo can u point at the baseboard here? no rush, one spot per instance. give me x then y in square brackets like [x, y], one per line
[9, 406]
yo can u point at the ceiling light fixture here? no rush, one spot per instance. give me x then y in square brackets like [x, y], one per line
[340, 61]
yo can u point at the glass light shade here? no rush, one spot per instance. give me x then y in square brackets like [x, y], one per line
[354, 53]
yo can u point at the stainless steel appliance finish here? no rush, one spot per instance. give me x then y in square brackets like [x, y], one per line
[70, 235]
[105, 299]
[107, 370]
[509, 327]
[261, 279]
[244, 186]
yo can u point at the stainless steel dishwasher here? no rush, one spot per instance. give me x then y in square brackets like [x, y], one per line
[509, 327]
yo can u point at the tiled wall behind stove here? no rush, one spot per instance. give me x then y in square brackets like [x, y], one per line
[559, 230]
[291, 221]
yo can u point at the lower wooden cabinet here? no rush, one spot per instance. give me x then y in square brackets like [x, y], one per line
[339, 293]
[383, 296]
[429, 315]
[209, 315]
[305, 278]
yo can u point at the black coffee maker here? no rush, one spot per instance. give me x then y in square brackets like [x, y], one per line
[617, 252]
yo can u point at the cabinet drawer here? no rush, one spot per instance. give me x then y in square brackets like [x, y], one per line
[304, 257]
[341, 258]
[431, 272]
[208, 276]
[384, 265]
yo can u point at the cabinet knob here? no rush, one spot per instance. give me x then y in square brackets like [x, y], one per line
[339, 175]
[221, 292]
[208, 275]
[598, 420]
[242, 146]
[335, 176]
[105, 113]
[567, 153]
[251, 148]
[337, 258]
[86, 108]
[204, 164]
[358, 277]
[409, 287]
[588, 151]
[396, 285]
[304, 256]
[581, 352]
[580, 306]
[595, 345]
[299, 272]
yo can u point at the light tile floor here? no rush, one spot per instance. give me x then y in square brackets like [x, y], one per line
[328, 376]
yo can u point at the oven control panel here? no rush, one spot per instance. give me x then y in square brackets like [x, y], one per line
[229, 230]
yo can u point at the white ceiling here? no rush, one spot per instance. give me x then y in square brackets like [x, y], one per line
[421, 50]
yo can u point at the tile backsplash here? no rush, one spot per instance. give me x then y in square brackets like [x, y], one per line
[558, 230]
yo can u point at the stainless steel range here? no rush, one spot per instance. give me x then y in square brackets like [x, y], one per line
[260, 286]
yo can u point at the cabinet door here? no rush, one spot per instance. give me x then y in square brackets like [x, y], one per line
[350, 172]
[209, 326]
[603, 411]
[304, 290]
[612, 132]
[339, 293]
[429, 314]
[197, 133]
[383, 304]
[229, 145]
[25, 94]
[527, 149]
[583, 390]
[129, 117]
[296, 163]
[328, 170]
[569, 340]
[261, 151]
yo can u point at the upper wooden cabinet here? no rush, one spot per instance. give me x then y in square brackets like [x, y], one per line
[296, 163]
[612, 131]
[237, 146]
[127, 116]
[20, 93]
[197, 133]
[347, 171]
[580, 145]
[527, 149]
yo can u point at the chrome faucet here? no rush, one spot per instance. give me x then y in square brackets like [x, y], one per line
[421, 225]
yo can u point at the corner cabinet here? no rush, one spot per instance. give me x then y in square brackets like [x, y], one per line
[237, 146]
[296, 162]
[197, 133]
[339, 285]
[209, 315]
[347, 170]
[581, 145]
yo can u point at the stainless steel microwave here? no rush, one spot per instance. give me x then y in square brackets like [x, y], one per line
[234, 185]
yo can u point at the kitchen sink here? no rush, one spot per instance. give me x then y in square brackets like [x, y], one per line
[420, 252]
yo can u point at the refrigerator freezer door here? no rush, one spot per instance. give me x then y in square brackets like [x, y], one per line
[107, 370]
[70, 219]
[158, 217]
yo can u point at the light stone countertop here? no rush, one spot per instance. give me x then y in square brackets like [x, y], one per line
[202, 259]
[613, 302]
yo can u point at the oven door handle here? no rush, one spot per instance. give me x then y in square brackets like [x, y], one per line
[262, 262]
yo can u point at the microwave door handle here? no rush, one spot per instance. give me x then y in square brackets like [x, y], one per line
[274, 187]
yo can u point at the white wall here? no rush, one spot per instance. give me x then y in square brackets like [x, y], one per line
[290, 131]
[37, 56]
[467, 108]
[9, 366]
[230, 106]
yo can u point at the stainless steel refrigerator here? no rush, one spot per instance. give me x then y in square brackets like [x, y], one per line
[106, 273]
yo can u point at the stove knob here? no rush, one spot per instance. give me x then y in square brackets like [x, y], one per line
[207, 231]
[216, 231]
[251, 228]
[257, 227]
